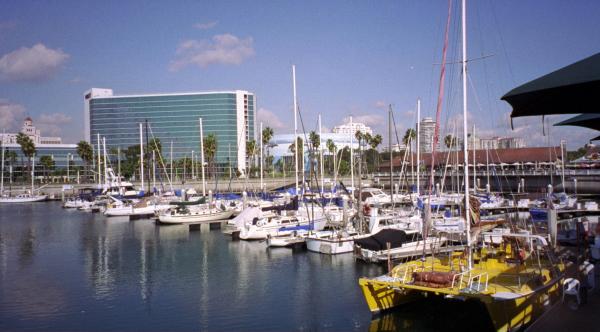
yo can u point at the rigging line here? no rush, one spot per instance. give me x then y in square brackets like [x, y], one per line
[311, 151]
[440, 98]
[474, 92]
[510, 71]
[458, 62]
[160, 159]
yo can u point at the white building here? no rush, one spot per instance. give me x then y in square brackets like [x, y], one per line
[356, 126]
[494, 143]
[280, 144]
[33, 133]
[426, 132]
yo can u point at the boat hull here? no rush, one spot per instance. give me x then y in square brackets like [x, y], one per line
[39, 198]
[184, 219]
[506, 314]
[330, 246]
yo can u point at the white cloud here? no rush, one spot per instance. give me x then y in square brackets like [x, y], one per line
[37, 63]
[52, 124]
[380, 104]
[225, 49]
[269, 119]
[206, 25]
[371, 120]
[11, 116]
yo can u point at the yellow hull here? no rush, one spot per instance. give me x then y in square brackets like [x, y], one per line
[513, 298]
[381, 297]
[511, 315]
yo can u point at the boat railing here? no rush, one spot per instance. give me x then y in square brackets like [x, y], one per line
[457, 279]
[478, 279]
[408, 271]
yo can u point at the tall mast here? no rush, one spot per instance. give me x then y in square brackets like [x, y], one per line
[153, 169]
[171, 166]
[99, 167]
[419, 145]
[562, 161]
[295, 125]
[351, 155]
[321, 155]
[466, 168]
[104, 154]
[391, 154]
[202, 156]
[32, 172]
[141, 157]
[261, 156]
[474, 164]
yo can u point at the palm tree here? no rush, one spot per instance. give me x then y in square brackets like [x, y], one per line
[331, 148]
[48, 164]
[374, 143]
[450, 141]
[410, 134]
[315, 142]
[300, 151]
[27, 147]
[267, 134]
[250, 153]
[85, 152]
[210, 150]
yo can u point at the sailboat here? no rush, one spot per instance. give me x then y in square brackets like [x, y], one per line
[27, 197]
[516, 277]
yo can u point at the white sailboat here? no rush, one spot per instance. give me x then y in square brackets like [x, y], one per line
[27, 197]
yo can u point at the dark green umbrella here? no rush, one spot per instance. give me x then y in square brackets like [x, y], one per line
[569, 90]
[591, 120]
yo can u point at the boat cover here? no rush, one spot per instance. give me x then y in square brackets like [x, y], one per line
[377, 241]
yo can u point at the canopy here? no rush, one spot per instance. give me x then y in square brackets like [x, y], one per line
[570, 90]
[591, 120]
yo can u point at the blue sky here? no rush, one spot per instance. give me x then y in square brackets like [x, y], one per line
[352, 57]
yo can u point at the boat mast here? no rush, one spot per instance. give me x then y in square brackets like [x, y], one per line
[351, 156]
[99, 167]
[562, 161]
[296, 149]
[142, 158]
[474, 170]
[32, 172]
[321, 155]
[418, 146]
[201, 156]
[171, 166]
[261, 157]
[466, 168]
[104, 159]
[391, 155]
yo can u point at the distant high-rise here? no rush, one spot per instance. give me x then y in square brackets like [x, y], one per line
[173, 119]
[427, 130]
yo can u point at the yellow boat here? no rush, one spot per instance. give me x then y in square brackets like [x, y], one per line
[516, 280]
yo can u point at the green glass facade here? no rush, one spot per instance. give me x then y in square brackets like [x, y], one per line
[174, 119]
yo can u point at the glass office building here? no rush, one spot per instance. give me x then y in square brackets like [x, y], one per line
[61, 154]
[173, 118]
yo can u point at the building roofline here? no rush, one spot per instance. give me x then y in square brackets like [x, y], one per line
[188, 93]
[42, 146]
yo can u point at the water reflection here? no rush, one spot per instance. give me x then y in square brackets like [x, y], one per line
[79, 271]
[26, 248]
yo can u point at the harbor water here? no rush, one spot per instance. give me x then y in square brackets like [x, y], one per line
[71, 270]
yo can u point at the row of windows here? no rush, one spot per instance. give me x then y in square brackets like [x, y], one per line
[144, 99]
